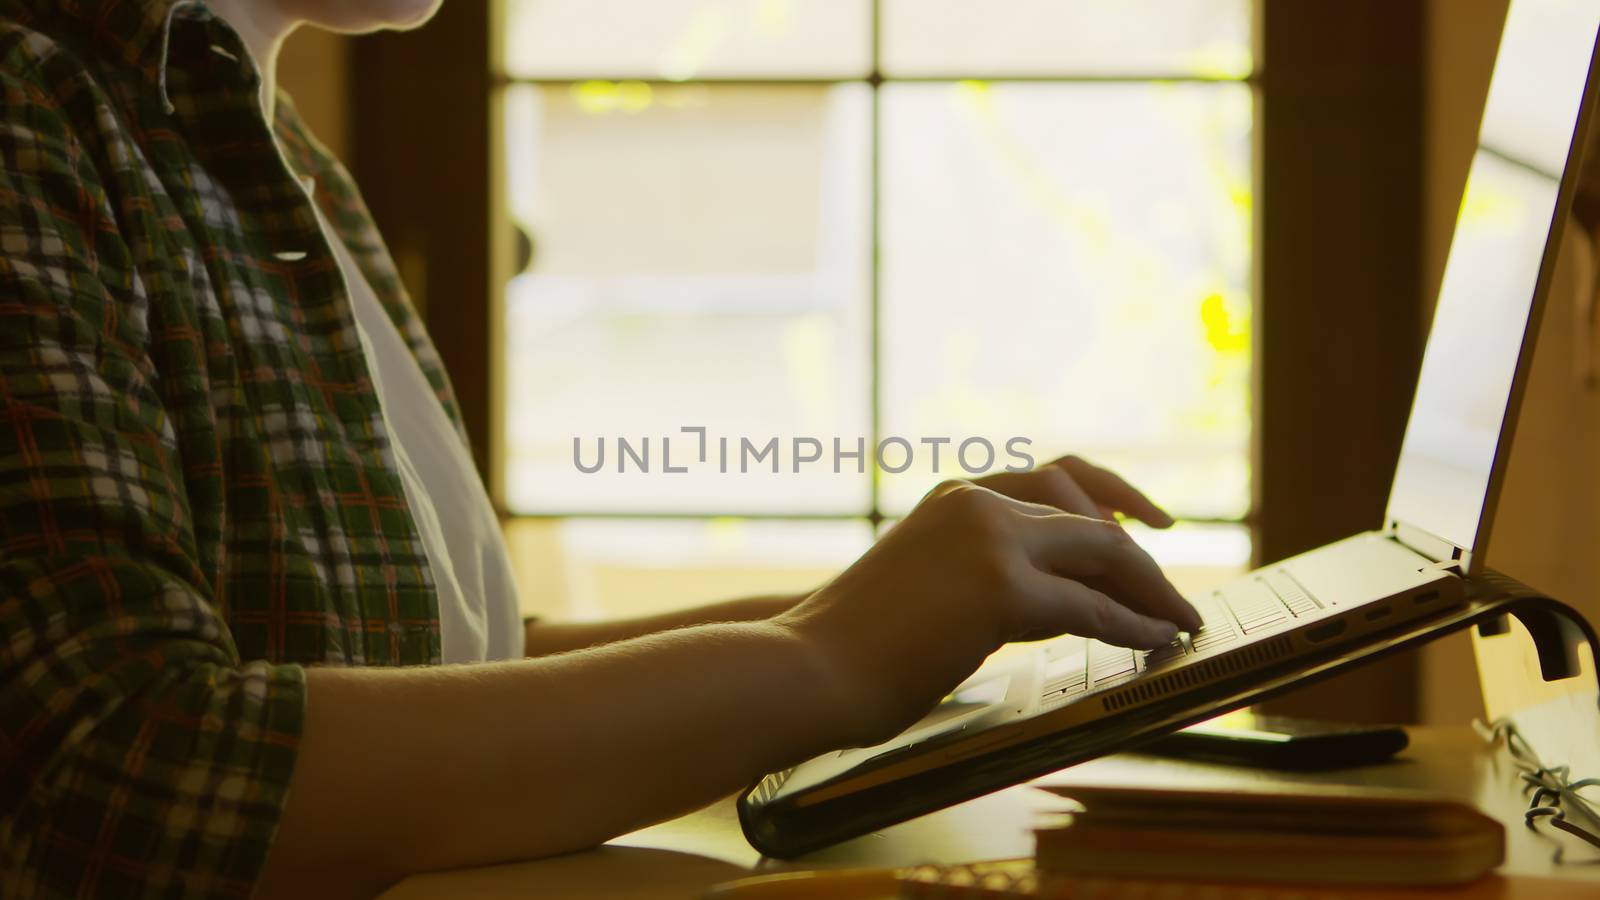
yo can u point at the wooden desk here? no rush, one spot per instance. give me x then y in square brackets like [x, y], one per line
[681, 858]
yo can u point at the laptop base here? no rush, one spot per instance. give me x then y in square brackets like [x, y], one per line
[783, 829]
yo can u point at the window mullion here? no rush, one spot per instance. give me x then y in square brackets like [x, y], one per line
[874, 262]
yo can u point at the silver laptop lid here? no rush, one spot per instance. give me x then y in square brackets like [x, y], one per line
[1501, 259]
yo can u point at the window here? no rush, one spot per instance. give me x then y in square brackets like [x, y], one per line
[843, 220]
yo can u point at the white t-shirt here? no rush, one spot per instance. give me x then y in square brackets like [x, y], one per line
[479, 618]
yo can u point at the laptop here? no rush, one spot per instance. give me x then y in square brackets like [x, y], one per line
[1062, 701]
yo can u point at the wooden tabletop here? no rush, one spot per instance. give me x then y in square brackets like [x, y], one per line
[683, 857]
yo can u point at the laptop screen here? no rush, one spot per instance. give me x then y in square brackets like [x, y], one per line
[1458, 418]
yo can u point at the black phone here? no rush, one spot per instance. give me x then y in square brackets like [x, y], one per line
[1276, 742]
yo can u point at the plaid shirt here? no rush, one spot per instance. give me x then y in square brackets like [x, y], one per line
[197, 494]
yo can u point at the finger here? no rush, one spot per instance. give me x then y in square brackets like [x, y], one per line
[1102, 552]
[1109, 489]
[945, 487]
[1029, 507]
[1050, 606]
[1049, 485]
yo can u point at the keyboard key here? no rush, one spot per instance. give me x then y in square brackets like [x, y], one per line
[1077, 681]
[1107, 663]
[1067, 667]
[1213, 634]
[1263, 624]
[1106, 656]
[1170, 652]
[1291, 593]
[1063, 647]
[1254, 605]
[1052, 691]
[1052, 701]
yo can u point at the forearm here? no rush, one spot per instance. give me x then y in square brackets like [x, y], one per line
[421, 769]
[546, 638]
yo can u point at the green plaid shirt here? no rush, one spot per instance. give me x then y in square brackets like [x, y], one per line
[197, 494]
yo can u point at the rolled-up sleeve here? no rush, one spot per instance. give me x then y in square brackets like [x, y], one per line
[139, 755]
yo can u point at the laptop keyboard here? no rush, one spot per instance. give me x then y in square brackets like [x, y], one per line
[1267, 600]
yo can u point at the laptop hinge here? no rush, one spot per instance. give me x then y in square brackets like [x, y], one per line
[1445, 554]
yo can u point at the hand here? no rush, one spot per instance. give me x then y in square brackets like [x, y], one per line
[1074, 485]
[967, 571]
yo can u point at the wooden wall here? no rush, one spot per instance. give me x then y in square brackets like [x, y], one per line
[314, 68]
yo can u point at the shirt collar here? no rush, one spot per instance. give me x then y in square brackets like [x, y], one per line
[148, 35]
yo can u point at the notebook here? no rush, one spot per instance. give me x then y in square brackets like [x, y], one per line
[1307, 834]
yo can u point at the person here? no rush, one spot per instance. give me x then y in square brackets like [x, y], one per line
[257, 630]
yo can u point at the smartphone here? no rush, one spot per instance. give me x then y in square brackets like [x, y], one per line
[1276, 742]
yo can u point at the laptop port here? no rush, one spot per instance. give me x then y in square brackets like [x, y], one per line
[1426, 597]
[1378, 612]
[1325, 632]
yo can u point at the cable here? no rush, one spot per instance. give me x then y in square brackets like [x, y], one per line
[1552, 794]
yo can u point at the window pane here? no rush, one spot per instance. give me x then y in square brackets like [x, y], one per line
[1197, 558]
[1070, 264]
[1054, 37]
[598, 568]
[699, 261]
[682, 39]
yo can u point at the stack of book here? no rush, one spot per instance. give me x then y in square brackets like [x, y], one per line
[1307, 834]
[1316, 843]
